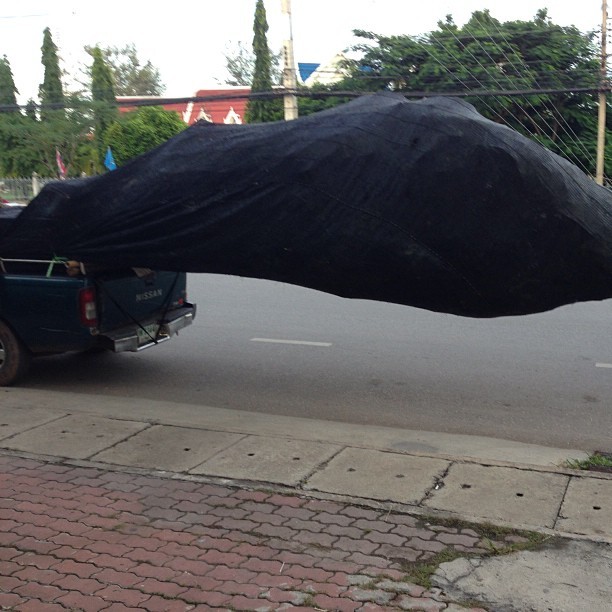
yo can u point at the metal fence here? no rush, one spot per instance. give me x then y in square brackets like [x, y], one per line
[22, 189]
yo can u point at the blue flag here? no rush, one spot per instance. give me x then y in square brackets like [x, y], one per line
[109, 162]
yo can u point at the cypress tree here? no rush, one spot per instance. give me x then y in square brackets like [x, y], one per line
[259, 109]
[103, 96]
[9, 122]
[50, 90]
[8, 91]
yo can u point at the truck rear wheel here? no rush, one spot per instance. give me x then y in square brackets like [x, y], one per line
[14, 356]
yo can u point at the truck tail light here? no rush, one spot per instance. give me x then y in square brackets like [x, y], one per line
[180, 301]
[87, 307]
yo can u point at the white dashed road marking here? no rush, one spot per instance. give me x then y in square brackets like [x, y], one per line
[303, 342]
[603, 365]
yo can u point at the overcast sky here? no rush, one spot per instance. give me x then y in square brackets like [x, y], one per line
[187, 40]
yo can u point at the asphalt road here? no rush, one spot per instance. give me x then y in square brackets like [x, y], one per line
[268, 347]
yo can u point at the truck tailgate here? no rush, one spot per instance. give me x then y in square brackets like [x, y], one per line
[137, 296]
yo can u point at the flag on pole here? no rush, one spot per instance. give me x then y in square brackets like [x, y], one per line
[109, 161]
[61, 168]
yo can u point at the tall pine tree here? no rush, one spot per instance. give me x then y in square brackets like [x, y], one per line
[10, 122]
[50, 90]
[103, 96]
[8, 91]
[260, 109]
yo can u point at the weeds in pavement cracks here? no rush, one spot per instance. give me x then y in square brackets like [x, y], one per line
[493, 538]
[597, 460]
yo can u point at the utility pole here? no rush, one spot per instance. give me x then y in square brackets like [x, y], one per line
[289, 75]
[601, 123]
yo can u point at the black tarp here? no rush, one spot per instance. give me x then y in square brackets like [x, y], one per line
[420, 203]
[7, 215]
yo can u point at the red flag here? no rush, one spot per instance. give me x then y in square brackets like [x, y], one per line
[60, 164]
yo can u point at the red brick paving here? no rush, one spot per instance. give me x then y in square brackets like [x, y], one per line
[80, 538]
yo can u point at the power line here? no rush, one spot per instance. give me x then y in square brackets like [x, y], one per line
[459, 93]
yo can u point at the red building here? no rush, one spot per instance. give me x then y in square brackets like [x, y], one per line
[223, 105]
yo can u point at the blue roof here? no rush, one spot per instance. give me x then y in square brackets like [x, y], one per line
[306, 69]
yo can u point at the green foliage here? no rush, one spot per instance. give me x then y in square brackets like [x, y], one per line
[17, 156]
[50, 91]
[486, 55]
[260, 110]
[103, 98]
[262, 79]
[102, 88]
[28, 142]
[129, 76]
[8, 90]
[28, 145]
[138, 132]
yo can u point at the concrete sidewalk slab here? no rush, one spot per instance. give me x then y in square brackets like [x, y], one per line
[587, 508]
[378, 475]
[14, 420]
[76, 436]
[519, 497]
[268, 459]
[163, 447]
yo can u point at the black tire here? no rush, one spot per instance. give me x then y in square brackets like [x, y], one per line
[14, 356]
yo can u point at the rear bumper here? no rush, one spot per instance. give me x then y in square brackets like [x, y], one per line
[138, 337]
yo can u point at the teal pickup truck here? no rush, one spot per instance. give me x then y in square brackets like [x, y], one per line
[49, 307]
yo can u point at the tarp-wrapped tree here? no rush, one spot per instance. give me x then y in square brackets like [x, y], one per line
[422, 203]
